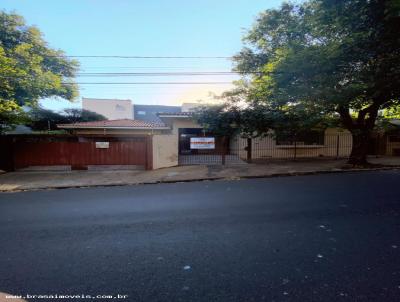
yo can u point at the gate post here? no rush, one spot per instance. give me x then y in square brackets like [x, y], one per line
[249, 150]
[223, 150]
[149, 152]
[337, 146]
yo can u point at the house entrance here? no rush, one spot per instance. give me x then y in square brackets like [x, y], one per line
[214, 149]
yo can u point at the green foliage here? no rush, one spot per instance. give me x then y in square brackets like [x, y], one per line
[82, 115]
[45, 119]
[255, 121]
[391, 113]
[29, 69]
[389, 119]
[295, 120]
[340, 56]
[221, 120]
[332, 56]
[11, 116]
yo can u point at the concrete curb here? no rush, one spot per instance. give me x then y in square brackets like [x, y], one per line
[212, 178]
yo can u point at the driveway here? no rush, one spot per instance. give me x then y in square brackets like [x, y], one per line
[331, 237]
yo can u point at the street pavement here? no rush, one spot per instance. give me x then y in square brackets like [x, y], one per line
[330, 237]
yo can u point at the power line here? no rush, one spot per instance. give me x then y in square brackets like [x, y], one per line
[167, 72]
[142, 67]
[146, 83]
[183, 73]
[144, 57]
[128, 68]
[123, 83]
[171, 74]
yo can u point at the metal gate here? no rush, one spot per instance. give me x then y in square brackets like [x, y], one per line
[220, 154]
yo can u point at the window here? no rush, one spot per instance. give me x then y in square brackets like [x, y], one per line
[311, 137]
[141, 112]
[119, 108]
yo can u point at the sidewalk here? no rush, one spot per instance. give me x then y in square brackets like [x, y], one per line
[34, 180]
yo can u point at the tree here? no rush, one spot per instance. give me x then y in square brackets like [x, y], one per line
[337, 56]
[82, 115]
[228, 119]
[45, 119]
[221, 120]
[29, 69]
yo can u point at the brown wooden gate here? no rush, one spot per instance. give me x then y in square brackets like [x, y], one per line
[135, 151]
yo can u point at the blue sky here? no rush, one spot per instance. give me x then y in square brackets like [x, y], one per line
[144, 28]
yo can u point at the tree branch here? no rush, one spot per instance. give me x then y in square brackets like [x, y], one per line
[372, 112]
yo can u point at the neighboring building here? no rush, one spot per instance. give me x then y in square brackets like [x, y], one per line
[112, 109]
[149, 112]
[115, 109]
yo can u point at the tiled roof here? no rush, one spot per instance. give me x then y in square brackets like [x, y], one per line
[183, 114]
[124, 123]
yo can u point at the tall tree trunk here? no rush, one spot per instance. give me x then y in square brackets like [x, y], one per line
[360, 128]
[359, 150]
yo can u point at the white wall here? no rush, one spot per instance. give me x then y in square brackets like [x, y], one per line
[165, 146]
[165, 151]
[266, 147]
[111, 109]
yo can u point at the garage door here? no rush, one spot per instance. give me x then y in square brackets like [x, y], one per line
[82, 154]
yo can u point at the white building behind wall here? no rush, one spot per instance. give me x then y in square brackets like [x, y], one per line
[335, 143]
[112, 109]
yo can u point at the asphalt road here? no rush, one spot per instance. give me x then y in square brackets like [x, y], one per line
[332, 237]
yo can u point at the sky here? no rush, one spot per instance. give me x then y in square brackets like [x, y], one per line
[144, 28]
